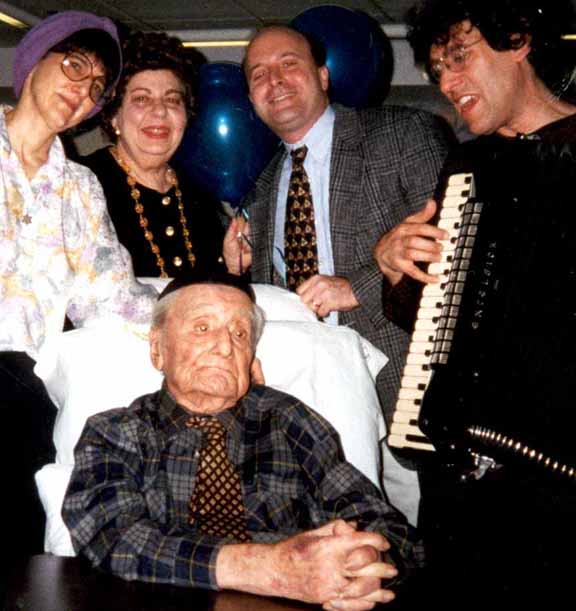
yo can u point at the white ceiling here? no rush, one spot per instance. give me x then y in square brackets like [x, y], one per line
[178, 15]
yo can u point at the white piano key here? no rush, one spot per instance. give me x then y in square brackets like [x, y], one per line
[455, 192]
[421, 347]
[429, 313]
[417, 359]
[450, 225]
[430, 303]
[416, 380]
[415, 384]
[404, 417]
[406, 428]
[433, 289]
[455, 202]
[410, 393]
[398, 441]
[423, 336]
[402, 431]
[425, 325]
[462, 178]
[438, 268]
[452, 213]
[404, 405]
[413, 370]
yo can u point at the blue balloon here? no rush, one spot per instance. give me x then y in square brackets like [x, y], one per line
[358, 53]
[226, 146]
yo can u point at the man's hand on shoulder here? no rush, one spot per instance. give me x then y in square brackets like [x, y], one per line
[333, 565]
[413, 241]
[325, 294]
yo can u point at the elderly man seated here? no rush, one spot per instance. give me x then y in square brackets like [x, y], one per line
[213, 482]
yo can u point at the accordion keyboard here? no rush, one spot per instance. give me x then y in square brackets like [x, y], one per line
[437, 312]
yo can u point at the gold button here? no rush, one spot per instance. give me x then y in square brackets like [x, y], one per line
[166, 200]
[177, 261]
[169, 231]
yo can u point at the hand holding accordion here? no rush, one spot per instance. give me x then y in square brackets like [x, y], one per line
[405, 432]
[413, 241]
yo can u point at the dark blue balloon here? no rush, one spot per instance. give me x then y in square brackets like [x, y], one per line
[358, 53]
[226, 146]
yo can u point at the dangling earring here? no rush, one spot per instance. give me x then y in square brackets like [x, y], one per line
[117, 132]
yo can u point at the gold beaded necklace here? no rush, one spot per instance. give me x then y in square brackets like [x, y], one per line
[143, 221]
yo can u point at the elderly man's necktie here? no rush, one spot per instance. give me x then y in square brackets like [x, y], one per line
[300, 250]
[216, 506]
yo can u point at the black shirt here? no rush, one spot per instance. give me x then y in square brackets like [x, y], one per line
[161, 212]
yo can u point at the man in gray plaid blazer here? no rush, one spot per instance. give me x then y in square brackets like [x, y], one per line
[382, 166]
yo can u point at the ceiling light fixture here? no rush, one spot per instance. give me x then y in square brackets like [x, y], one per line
[216, 43]
[15, 23]
[16, 17]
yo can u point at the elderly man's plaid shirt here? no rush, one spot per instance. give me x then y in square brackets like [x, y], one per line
[127, 502]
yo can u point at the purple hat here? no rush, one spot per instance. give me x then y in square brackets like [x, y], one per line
[48, 33]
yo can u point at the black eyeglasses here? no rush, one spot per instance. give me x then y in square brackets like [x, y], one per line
[77, 67]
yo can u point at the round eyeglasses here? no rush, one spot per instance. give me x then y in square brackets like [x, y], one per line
[454, 58]
[77, 67]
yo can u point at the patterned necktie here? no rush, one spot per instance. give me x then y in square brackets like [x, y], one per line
[300, 250]
[216, 506]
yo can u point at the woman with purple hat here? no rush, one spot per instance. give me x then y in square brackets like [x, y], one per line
[58, 251]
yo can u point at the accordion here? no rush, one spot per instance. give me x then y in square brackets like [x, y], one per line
[491, 368]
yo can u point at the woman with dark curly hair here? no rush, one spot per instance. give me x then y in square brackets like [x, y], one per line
[167, 224]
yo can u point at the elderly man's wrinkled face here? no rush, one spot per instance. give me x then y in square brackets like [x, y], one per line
[205, 347]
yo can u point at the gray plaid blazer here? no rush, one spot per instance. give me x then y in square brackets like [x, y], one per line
[384, 165]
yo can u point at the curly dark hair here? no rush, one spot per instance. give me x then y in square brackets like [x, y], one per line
[152, 51]
[505, 24]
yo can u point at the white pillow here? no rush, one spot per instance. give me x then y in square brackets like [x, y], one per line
[91, 370]
[157, 283]
[281, 304]
[278, 303]
[331, 369]
[52, 482]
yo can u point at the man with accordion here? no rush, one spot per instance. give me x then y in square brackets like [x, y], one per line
[488, 389]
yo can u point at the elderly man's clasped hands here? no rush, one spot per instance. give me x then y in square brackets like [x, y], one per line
[334, 565]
